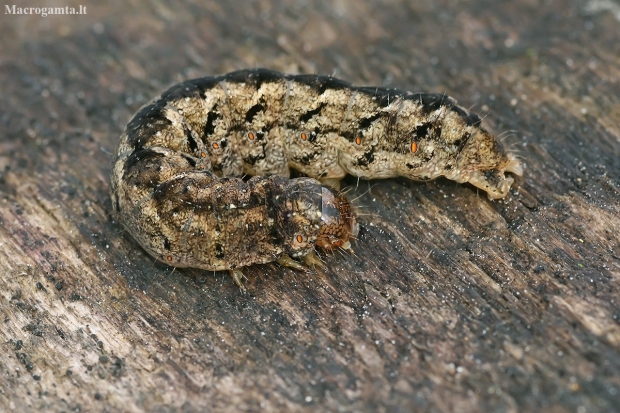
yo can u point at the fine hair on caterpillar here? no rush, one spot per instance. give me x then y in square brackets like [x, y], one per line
[177, 184]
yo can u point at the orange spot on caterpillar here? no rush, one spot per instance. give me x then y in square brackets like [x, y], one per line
[358, 140]
[304, 136]
[204, 155]
[414, 147]
[215, 145]
[251, 136]
[169, 258]
[300, 238]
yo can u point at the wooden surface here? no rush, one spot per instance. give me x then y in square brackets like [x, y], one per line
[450, 303]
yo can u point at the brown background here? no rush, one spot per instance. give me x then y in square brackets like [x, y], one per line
[450, 303]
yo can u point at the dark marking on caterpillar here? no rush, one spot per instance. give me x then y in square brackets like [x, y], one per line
[319, 83]
[219, 251]
[193, 145]
[177, 180]
[210, 124]
[311, 113]
[471, 119]
[381, 96]
[366, 158]
[431, 101]
[190, 160]
[254, 110]
[421, 132]
[141, 155]
[365, 123]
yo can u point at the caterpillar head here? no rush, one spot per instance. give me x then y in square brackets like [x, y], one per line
[483, 163]
[338, 222]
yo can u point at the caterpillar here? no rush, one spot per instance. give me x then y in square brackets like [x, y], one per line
[178, 186]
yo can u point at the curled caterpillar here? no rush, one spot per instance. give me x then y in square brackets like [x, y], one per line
[177, 182]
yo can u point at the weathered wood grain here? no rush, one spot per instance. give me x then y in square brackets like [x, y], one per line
[450, 303]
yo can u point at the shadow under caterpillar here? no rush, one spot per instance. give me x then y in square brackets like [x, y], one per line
[177, 184]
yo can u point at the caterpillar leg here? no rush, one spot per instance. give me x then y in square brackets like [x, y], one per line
[310, 260]
[333, 183]
[313, 260]
[287, 261]
[237, 277]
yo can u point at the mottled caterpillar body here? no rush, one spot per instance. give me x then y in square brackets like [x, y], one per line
[177, 180]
